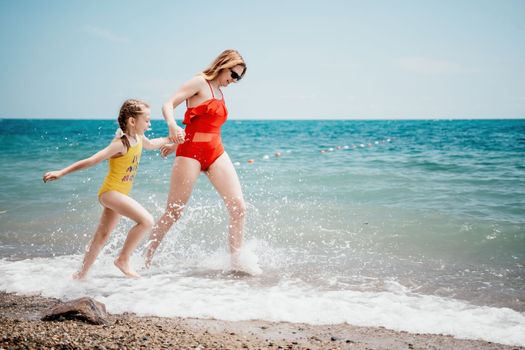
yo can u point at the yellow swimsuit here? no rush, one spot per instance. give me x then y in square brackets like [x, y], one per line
[122, 170]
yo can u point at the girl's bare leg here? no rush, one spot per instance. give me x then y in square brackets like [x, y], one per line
[108, 220]
[130, 208]
[184, 174]
[224, 178]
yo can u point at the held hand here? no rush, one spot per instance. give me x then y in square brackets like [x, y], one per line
[177, 134]
[168, 149]
[52, 176]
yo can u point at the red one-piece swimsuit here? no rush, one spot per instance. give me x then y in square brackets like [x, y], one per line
[203, 131]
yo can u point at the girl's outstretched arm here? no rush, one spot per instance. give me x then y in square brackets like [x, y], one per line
[112, 149]
[154, 143]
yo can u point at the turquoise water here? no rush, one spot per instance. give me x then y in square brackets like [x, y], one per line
[435, 208]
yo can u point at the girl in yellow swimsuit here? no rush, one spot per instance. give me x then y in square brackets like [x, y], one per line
[124, 157]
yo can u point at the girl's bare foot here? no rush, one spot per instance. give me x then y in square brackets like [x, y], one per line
[123, 266]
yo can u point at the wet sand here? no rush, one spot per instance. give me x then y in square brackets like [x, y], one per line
[21, 328]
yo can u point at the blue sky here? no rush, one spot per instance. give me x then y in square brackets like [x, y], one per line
[306, 59]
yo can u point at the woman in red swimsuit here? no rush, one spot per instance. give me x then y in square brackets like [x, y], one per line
[199, 148]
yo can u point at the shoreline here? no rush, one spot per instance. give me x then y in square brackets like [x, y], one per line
[21, 328]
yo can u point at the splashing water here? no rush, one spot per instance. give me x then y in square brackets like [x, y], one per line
[415, 226]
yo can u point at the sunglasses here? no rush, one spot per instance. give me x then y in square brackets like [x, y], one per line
[234, 75]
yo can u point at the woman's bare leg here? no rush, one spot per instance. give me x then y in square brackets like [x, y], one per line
[108, 220]
[130, 208]
[224, 178]
[184, 174]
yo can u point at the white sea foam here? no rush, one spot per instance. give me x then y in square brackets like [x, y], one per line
[220, 261]
[206, 291]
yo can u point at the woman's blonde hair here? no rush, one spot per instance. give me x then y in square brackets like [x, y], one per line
[227, 59]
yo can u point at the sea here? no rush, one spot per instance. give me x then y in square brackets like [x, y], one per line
[412, 225]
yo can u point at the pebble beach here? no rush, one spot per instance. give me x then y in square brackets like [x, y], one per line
[21, 328]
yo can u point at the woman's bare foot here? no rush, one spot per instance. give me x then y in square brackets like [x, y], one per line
[79, 275]
[235, 261]
[151, 247]
[148, 256]
[123, 266]
[244, 268]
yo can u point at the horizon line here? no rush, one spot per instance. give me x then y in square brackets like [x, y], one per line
[287, 119]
